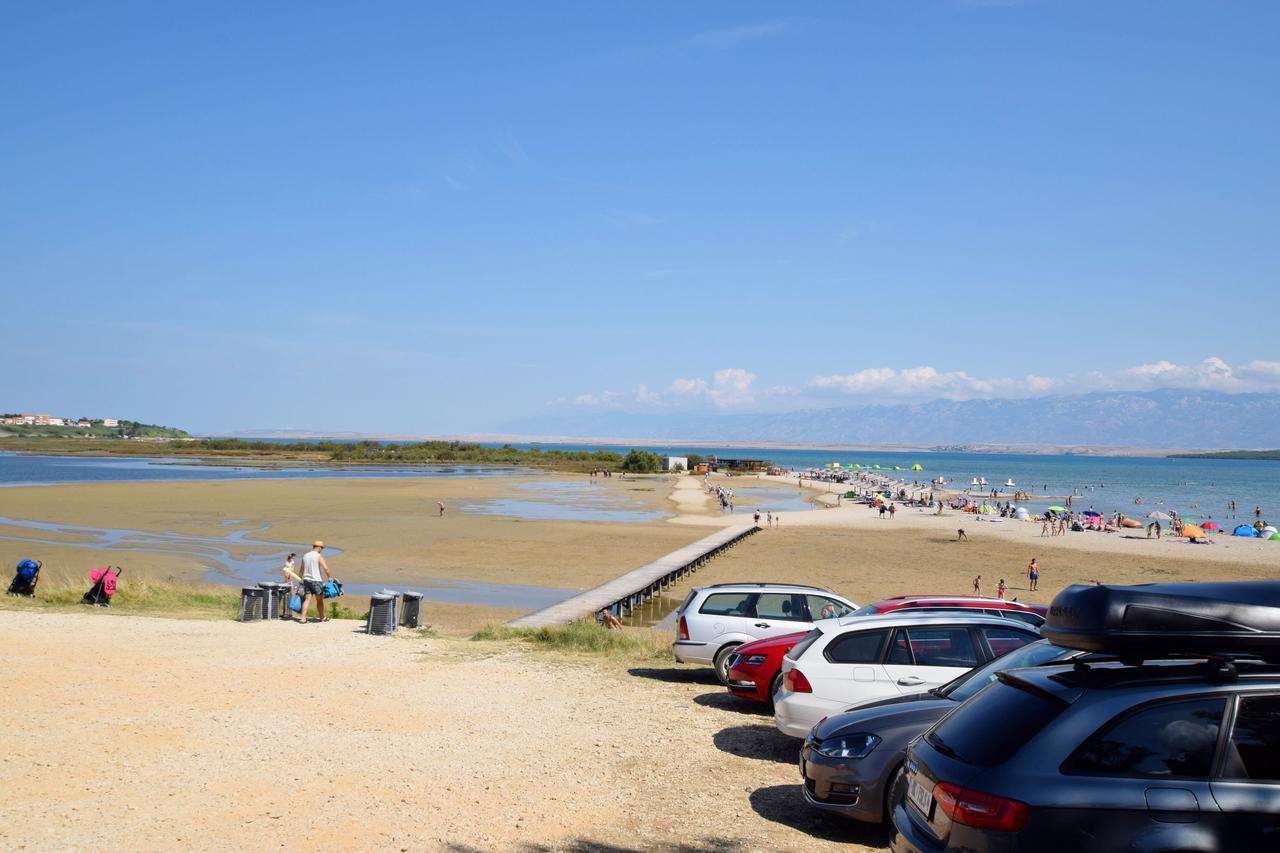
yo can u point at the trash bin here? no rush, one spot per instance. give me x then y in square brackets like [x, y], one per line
[395, 615]
[253, 603]
[411, 610]
[382, 614]
[273, 605]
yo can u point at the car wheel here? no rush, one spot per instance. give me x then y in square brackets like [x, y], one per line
[722, 663]
[774, 685]
[894, 791]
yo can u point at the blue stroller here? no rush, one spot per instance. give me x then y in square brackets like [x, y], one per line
[26, 578]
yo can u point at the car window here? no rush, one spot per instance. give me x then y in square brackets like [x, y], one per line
[933, 647]
[1253, 752]
[857, 647]
[991, 727]
[805, 642]
[727, 604]
[821, 607]
[1033, 619]
[780, 605]
[971, 682]
[1004, 640]
[867, 610]
[1172, 739]
[688, 599]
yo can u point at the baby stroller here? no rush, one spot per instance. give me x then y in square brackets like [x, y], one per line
[104, 586]
[26, 578]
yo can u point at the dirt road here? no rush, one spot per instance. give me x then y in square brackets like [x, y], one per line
[146, 734]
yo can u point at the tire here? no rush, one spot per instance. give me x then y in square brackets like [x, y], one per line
[774, 685]
[894, 791]
[722, 663]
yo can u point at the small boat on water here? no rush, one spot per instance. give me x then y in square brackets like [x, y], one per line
[982, 481]
[1009, 484]
[975, 482]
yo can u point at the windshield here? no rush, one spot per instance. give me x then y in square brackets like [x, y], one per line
[866, 610]
[1032, 654]
[994, 725]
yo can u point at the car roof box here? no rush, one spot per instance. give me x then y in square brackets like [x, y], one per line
[1169, 619]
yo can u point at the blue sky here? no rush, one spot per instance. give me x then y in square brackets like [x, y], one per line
[423, 218]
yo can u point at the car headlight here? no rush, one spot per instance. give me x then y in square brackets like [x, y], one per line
[849, 746]
[753, 660]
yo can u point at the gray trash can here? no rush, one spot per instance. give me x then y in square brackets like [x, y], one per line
[253, 602]
[411, 610]
[382, 614]
[395, 617]
[275, 599]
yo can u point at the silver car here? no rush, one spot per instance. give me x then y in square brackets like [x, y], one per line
[715, 620]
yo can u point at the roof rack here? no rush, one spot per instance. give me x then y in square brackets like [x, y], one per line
[768, 583]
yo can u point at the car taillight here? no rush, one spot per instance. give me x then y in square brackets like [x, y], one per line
[682, 632]
[796, 682]
[974, 808]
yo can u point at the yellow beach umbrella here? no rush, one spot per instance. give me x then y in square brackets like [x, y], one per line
[917, 467]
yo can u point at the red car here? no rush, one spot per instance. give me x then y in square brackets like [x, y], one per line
[756, 668]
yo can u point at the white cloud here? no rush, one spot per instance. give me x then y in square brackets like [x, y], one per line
[735, 388]
[728, 37]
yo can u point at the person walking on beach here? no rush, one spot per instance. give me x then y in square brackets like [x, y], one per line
[1044, 526]
[977, 585]
[440, 506]
[312, 583]
[1033, 573]
[960, 535]
[757, 518]
[893, 510]
[1000, 588]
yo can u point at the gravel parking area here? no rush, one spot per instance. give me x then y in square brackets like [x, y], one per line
[147, 734]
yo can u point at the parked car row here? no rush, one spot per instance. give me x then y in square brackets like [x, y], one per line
[1147, 719]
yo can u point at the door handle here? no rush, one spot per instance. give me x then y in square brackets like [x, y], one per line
[910, 680]
[762, 624]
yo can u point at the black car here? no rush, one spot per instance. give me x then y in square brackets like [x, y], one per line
[850, 762]
[1172, 746]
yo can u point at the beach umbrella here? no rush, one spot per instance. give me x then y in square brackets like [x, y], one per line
[1210, 525]
[1057, 509]
[1192, 532]
[1244, 530]
[1159, 516]
[917, 467]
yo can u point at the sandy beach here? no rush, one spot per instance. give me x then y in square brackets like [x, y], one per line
[215, 735]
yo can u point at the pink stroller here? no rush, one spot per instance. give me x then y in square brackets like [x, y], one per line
[104, 586]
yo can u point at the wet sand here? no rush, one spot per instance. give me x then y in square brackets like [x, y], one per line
[388, 531]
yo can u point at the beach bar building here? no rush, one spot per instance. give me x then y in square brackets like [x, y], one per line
[675, 463]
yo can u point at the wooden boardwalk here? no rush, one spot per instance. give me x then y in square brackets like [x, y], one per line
[637, 586]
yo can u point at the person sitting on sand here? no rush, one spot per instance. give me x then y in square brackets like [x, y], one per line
[610, 621]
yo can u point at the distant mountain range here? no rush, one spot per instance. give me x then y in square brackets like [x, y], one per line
[1150, 419]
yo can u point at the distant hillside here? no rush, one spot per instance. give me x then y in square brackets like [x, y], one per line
[1267, 455]
[1156, 419]
[126, 429]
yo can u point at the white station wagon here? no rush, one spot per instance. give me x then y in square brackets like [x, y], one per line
[715, 620]
[850, 662]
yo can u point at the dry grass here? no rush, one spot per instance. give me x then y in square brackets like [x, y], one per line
[586, 637]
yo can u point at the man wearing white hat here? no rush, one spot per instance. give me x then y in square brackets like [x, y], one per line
[312, 583]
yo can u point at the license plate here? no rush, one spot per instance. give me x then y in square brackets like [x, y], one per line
[920, 797]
